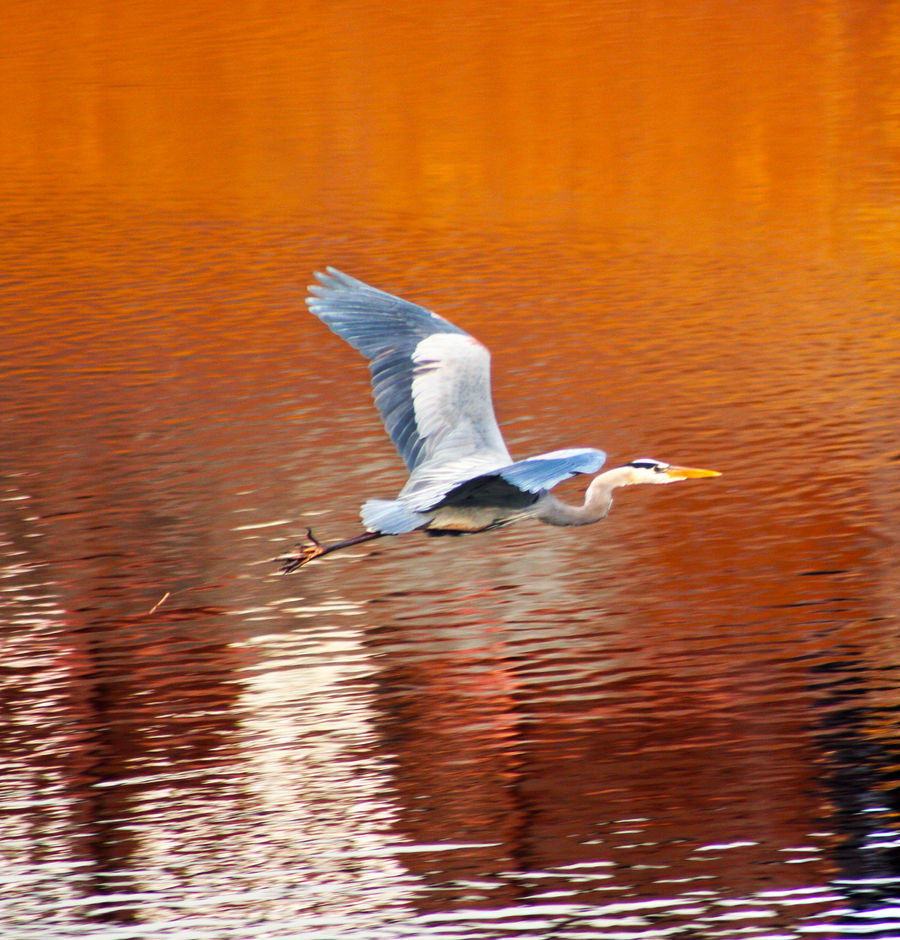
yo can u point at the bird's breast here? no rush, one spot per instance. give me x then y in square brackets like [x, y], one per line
[470, 518]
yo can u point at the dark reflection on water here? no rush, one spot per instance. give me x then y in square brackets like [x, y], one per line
[682, 722]
[862, 745]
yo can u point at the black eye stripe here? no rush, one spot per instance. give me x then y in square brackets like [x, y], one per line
[649, 465]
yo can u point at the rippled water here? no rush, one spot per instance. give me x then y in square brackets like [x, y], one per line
[679, 723]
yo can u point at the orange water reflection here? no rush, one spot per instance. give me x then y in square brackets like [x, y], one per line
[643, 123]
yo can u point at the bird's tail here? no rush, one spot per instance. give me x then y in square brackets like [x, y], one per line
[390, 517]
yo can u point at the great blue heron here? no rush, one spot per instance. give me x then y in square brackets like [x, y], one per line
[431, 383]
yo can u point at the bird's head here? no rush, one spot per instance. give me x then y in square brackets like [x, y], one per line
[648, 470]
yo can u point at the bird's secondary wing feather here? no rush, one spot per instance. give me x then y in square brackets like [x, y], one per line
[431, 380]
[544, 471]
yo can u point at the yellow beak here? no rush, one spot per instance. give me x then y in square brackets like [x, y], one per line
[689, 473]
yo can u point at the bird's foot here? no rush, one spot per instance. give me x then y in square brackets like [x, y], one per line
[306, 552]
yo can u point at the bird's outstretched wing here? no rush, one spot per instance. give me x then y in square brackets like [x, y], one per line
[513, 487]
[514, 484]
[430, 379]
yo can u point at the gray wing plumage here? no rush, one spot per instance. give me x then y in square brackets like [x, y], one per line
[430, 379]
[533, 476]
[432, 386]
[513, 487]
[546, 470]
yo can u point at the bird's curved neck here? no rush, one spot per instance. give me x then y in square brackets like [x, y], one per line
[597, 501]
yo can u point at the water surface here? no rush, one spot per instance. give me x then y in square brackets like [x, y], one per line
[676, 228]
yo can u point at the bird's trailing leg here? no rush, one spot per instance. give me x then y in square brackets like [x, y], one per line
[306, 552]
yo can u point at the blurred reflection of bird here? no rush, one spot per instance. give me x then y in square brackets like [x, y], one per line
[431, 383]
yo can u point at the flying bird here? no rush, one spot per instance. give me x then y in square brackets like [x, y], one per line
[432, 386]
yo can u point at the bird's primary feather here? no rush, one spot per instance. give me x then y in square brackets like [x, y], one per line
[430, 379]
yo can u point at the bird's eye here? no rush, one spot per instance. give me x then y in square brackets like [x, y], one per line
[661, 468]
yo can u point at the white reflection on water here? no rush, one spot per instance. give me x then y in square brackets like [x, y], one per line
[318, 784]
[296, 826]
[38, 871]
